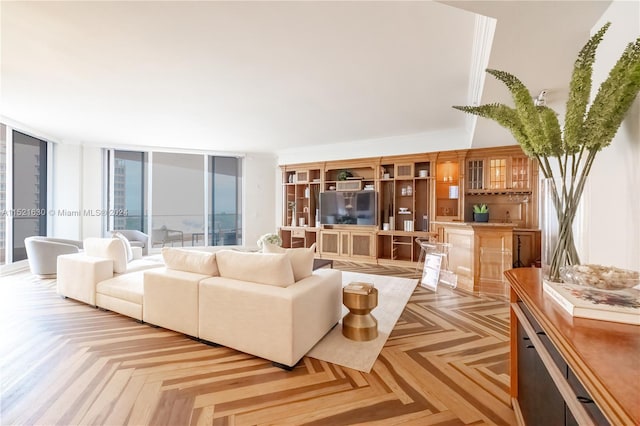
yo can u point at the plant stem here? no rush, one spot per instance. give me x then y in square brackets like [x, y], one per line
[565, 252]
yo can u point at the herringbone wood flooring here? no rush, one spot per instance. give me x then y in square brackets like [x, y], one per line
[63, 362]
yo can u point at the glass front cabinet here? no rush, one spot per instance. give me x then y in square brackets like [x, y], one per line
[498, 174]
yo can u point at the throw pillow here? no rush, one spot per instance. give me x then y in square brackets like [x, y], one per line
[127, 245]
[301, 259]
[261, 268]
[195, 261]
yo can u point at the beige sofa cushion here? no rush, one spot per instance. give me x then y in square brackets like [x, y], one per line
[108, 248]
[171, 299]
[127, 287]
[194, 261]
[279, 324]
[301, 259]
[262, 268]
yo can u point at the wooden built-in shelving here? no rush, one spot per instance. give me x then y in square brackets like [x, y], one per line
[413, 192]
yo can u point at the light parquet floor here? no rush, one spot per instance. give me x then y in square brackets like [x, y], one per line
[63, 362]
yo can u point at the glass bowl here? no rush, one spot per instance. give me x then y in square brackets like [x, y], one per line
[600, 277]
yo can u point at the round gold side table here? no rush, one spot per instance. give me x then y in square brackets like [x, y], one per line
[359, 324]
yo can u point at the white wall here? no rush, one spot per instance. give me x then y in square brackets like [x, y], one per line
[612, 228]
[77, 188]
[260, 197]
[437, 140]
[92, 191]
[67, 191]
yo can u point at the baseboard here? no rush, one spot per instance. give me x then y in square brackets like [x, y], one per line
[516, 409]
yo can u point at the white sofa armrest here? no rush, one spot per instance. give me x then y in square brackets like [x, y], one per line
[79, 274]
[171, 299]
[279, 324]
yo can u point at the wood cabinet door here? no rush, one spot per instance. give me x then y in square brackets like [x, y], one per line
[519, 176]
[493, 255]
[345, 243]
[362, 244]
[404, 171]
[497, 173]
[330, 243]
[302, 176]
[475, 175]
[448, 191]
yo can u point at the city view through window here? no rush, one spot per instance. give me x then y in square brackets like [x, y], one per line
[3, 191]
[178, 197]
[29, 191]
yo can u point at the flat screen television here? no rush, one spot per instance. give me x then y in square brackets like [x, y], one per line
[348, 208]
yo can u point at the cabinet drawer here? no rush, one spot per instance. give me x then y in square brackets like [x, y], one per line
[349, 185]
[583, 396]
[302, 176]
[297, 233]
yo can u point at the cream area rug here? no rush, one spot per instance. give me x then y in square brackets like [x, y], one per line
[393, 295]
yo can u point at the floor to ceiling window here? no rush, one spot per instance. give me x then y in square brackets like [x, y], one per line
[129, 188]
[169, 195]
[3, 192]
[29, 191]
[225, 215]
[178, 199]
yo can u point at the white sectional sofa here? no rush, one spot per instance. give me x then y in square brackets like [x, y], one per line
[272, 305]
[80, 274]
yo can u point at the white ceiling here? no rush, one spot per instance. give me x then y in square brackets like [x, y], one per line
[268, 76]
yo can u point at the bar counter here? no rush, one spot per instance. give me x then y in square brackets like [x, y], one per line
[479, 253]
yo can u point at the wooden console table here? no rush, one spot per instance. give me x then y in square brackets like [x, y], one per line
[604, 356]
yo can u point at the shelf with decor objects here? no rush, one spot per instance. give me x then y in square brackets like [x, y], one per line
[350, 177]
[449, 178]
[301, 189]
[409, 191]
[506, 181]
[405, 207]
[293, 237]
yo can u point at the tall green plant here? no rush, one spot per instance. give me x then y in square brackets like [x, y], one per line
[587, 129]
